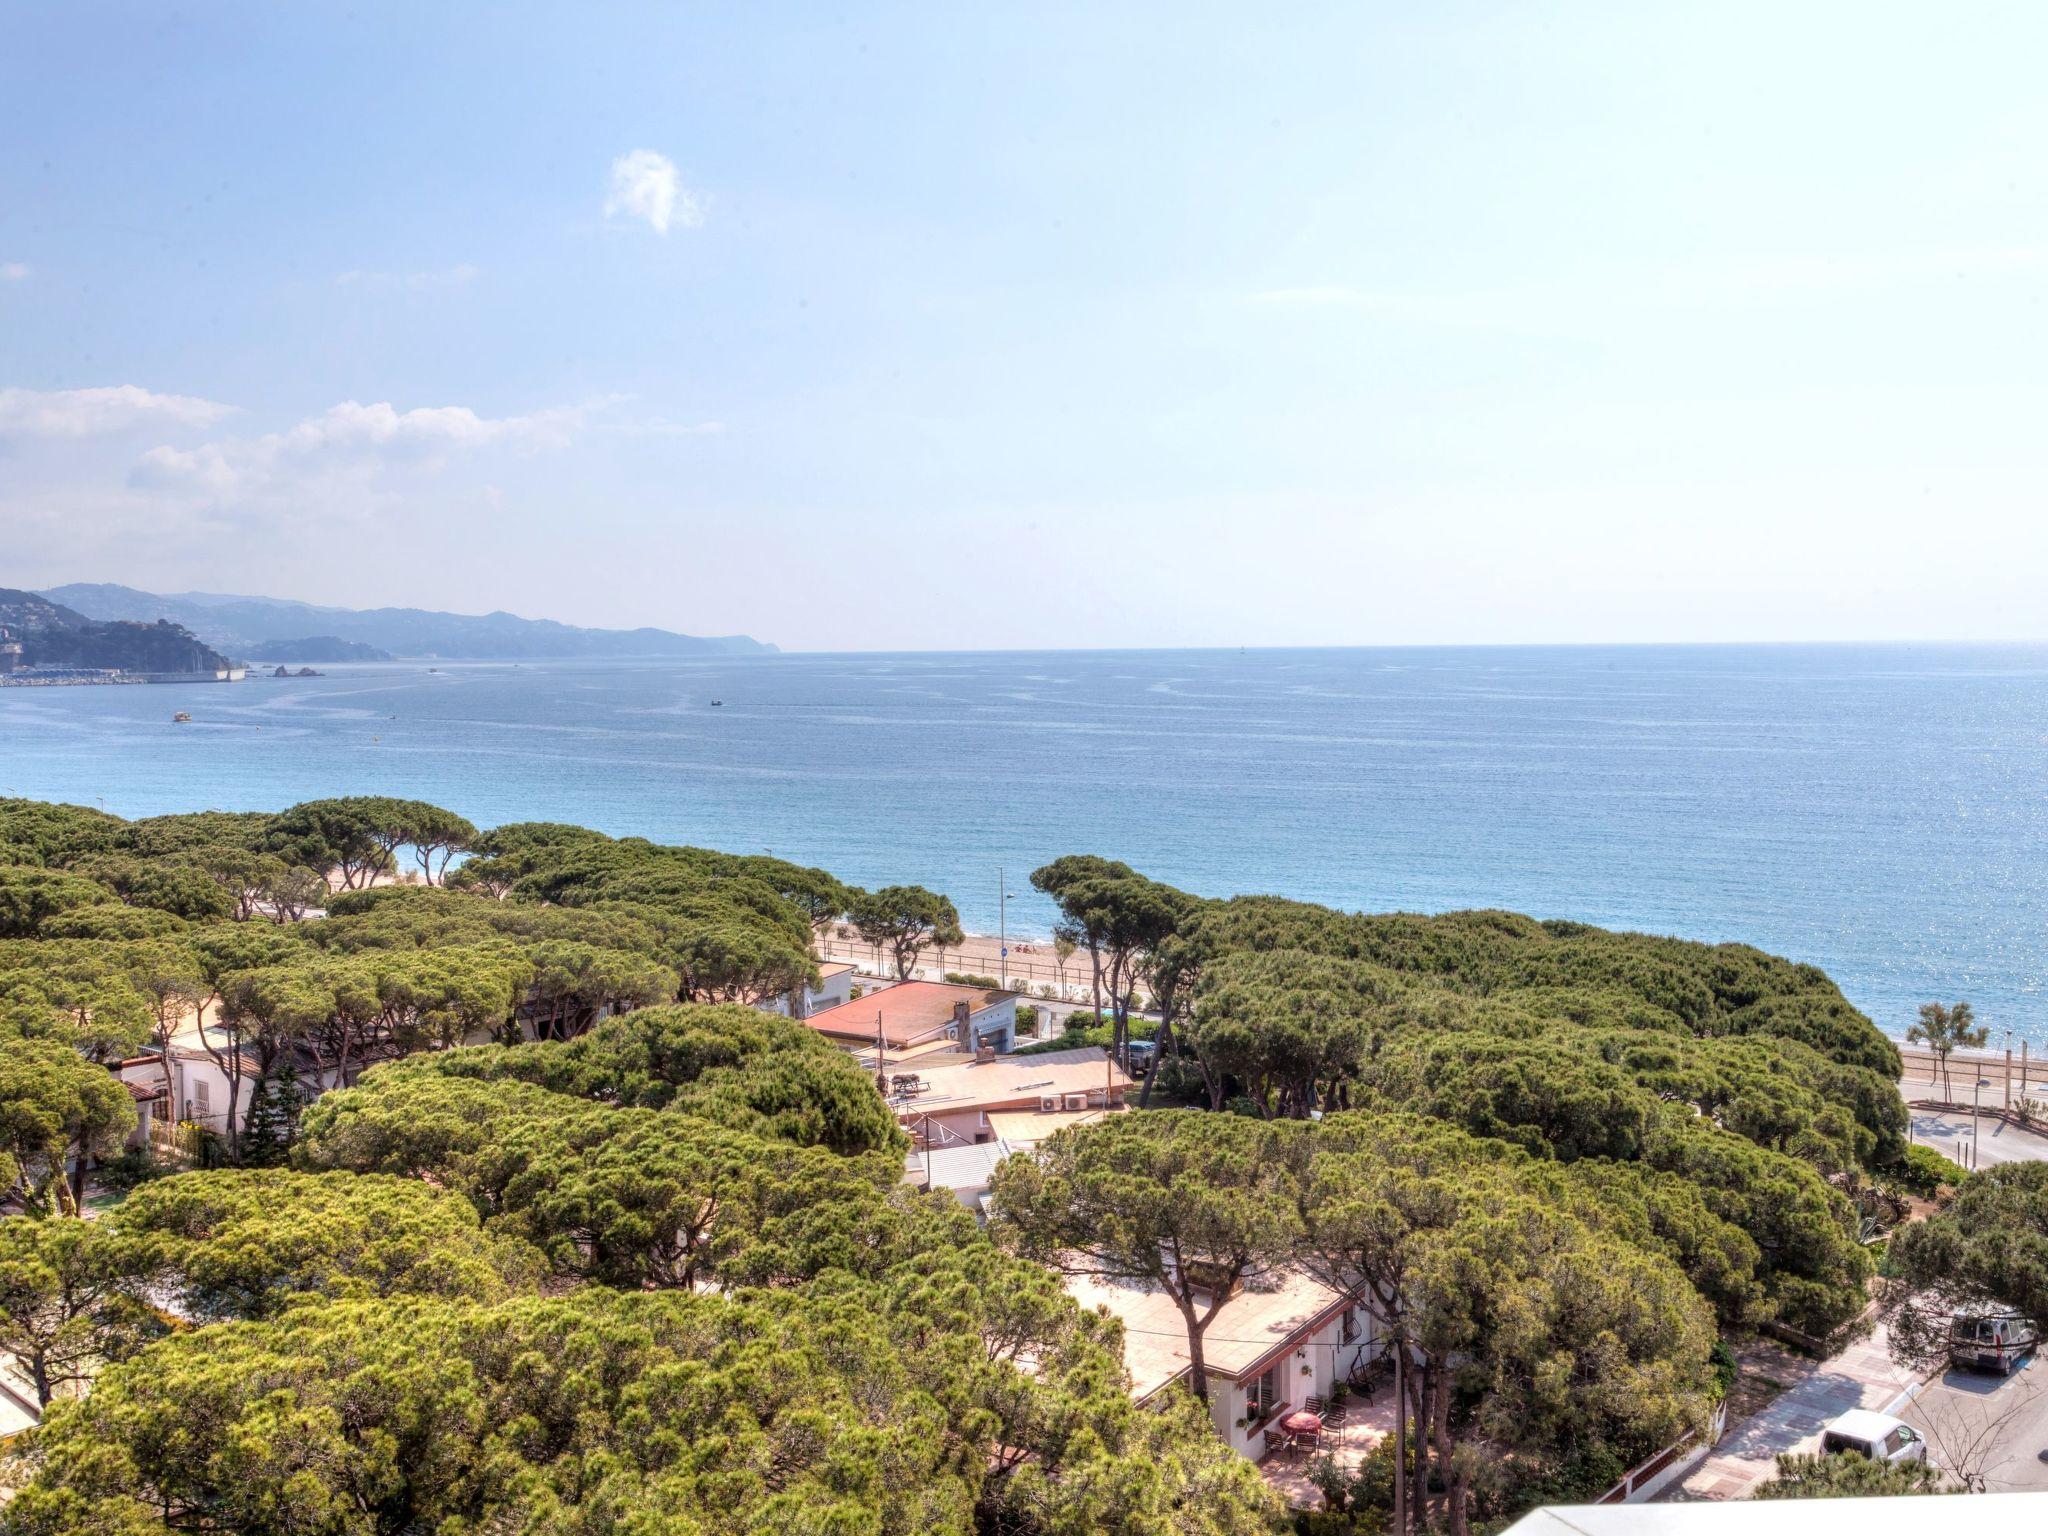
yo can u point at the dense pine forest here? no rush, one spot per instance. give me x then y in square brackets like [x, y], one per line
[521, 1219]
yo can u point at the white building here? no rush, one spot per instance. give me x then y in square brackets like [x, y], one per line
[835, 987]
[1266, 1352]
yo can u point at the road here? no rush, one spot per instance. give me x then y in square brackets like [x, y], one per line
[1949, 1133]
[1863, 1375]
[1994, 1425]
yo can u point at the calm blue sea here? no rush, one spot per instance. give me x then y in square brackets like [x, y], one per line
[1881, 811]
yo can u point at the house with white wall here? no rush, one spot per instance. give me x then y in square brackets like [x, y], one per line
[957, 1103]
[1266, 1350]
[834, 988]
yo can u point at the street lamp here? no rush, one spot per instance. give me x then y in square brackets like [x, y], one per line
[1976, 1097]
[1002, 930]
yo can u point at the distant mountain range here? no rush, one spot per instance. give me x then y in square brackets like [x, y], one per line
[250, 627]
[52, 634]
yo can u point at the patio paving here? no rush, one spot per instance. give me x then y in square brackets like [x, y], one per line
[1366, 1424]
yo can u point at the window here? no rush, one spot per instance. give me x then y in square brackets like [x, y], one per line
[1263, 1395]
[1349, 1331]
[199, 1086]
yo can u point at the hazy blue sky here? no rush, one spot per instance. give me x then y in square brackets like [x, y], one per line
[950, 326]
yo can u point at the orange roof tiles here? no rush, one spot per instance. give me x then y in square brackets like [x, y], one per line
[910, 1011]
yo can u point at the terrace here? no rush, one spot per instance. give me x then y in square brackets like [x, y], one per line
[1349, 1435]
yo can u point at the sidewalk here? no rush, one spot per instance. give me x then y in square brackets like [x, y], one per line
[1862, 1376]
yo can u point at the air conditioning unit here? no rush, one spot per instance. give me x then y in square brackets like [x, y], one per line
[1048, 1105]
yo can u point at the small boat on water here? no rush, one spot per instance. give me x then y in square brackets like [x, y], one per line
[181, 718]
[718, 703]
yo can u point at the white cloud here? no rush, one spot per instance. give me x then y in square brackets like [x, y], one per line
[349, 442]
[413, 282]
[96, 412]
[13, 271]
[646, 186]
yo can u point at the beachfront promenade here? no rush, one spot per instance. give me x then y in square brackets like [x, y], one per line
[1032, 966]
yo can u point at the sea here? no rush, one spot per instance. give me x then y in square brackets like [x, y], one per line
[1878, 810]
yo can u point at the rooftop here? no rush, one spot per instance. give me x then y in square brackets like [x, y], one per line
[960, 1169]
[1021, 1128]
[1244, 1332]
[1018, 1080]
[1983, 1514]
[909, 1011]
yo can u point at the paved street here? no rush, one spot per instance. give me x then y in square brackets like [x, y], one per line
[1990, 1424]
[1862, 1376]
[1948, 1132]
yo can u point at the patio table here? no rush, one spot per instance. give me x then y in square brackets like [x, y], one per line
[1303, 1427]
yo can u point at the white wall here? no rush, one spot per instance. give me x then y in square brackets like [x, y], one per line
[837, 989]
[1308, 1370]
[999, 1020]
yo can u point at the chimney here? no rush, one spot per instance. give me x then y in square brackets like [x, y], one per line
[961, 1013]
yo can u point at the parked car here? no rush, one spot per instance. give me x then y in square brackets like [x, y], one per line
[1999, 1341]
[1860, 1432]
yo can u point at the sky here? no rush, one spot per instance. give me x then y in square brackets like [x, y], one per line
[966, 327]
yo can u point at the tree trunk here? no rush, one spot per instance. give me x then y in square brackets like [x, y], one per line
[1448, 1468]
[1421, 1391]
[78, 1174]
[1198, 1371]
[1158, 1055]
[234, 1101]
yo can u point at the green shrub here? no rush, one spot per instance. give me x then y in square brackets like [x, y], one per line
[1924, 1171]
[1726, 1367]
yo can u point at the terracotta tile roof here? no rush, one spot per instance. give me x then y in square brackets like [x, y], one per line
[910, 1011]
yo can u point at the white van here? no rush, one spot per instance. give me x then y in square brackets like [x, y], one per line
[1859, 1432]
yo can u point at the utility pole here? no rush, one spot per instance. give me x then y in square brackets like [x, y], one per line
[881, 1058]
[1400, 1435]
[1002, 930]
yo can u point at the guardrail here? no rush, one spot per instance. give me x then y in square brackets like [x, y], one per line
[1647, 1479]
[1025, 975]
[2009, 1075]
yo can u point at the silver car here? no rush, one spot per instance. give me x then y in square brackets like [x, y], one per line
[1860, 1432]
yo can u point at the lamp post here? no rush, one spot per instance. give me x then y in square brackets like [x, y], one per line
[1976, 1135]
[1002, 930]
